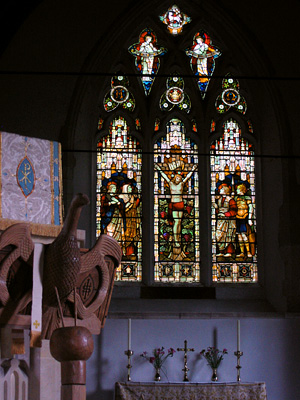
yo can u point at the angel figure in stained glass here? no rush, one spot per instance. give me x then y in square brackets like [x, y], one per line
[203, 54]
[176, 205]
[147, 52]
[147, 60]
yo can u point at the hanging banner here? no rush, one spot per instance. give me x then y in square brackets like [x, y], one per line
[31, 183]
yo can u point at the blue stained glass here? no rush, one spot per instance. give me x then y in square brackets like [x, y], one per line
[146, 53]
[203, 55]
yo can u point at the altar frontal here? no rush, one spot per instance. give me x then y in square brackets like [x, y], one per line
[31, 183]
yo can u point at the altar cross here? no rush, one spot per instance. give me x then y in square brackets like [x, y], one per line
[185, 369]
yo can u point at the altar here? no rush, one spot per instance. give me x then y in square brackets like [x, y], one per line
[190, 391]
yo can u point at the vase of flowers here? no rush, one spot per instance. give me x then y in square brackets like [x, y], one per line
[157, 360]
[213, 357]
[157, 376]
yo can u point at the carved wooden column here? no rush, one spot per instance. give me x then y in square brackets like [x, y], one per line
[14, 380]
[72, 346]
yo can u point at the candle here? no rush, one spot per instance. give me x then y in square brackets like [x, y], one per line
[129, 334]
[238, 335]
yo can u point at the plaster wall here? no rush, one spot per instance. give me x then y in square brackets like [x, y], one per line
[270, 346]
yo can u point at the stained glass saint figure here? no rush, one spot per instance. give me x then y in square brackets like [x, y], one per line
[147, 54]
[176, 206]
[230, 96]
[203, 55]
[119, 95]
[175, 96]
[119, 163]
[233, 207]
[174, 19]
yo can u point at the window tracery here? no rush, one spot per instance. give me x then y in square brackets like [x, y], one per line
[176, 215]
[175, 96]
[230, 97]
[174, 19]
[119, 95]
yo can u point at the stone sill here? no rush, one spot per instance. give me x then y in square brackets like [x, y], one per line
[191, 308]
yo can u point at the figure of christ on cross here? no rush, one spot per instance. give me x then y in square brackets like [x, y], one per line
[176, 185]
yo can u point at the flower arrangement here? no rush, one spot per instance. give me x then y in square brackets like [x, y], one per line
[213, 356]
[159, 356]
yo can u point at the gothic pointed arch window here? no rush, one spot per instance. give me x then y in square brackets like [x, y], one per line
[176, 206]
[233, 215]
[118, 203]
[171, 207]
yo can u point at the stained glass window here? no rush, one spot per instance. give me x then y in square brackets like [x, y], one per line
[174, 19]
[212, 126]
[233, 216]
[250, 127]
[176, 169]
[100, 123]
[176, 206]
[118, 208]
[138, 124]
[203, 54]
[175, 96]
[230, 96]
[156, 124]
[147, 53]
[119, 95]
[194, 125]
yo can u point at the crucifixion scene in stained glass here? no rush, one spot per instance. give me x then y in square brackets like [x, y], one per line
[234, 250]
[146, 53]
[176, 175]
[118, 206]
[203, 55]
[176, 206]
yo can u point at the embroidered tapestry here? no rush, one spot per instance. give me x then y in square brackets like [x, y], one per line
[190, 391]
[31, 183]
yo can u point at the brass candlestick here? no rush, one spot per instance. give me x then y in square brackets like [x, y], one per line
[238, 355]
[129, 354]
